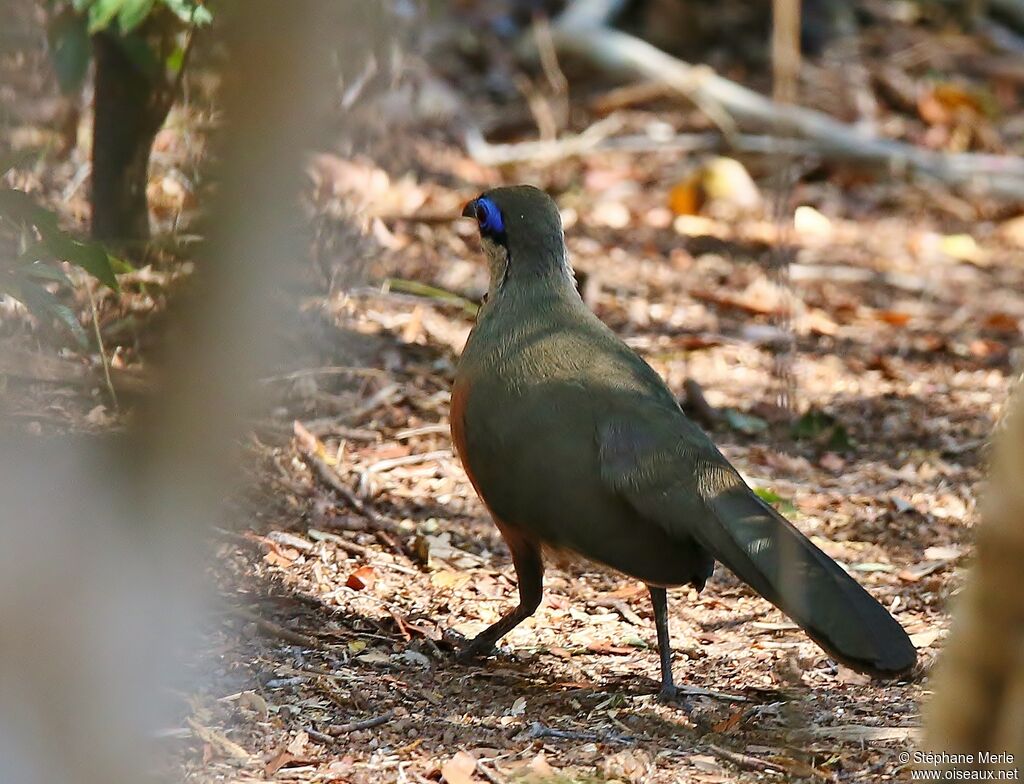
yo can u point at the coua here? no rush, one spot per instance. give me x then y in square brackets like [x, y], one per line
[574, 441]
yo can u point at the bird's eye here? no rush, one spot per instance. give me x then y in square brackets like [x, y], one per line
[488, 216]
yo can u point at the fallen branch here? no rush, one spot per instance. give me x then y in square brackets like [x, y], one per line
[365, 724]
[625, 55]
[576, 146]
[54, 370]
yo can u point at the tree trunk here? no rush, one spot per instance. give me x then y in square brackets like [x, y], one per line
[130, 106]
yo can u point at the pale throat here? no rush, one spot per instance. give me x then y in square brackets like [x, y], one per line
[497, 265]
[498, 262]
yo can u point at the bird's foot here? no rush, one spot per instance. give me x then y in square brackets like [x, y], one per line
[472, 652]
[672, 695]
[469, 651]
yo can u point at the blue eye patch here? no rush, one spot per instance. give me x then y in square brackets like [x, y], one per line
[488, 217]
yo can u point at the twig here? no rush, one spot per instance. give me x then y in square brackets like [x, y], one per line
[538, 731]
[395, 462]
[785, 50]
[99, 343]
[785, 84]
[430, 292]
[699, 406]
[620, 606]
[330, 477]
[319, 737]
[339, 541]
[179, 78]
[745, 761]
[491, 775]
[422, 430]
[365, 724]
[273, 629]
[385, 530]
[697, 691]
[331, 370]
[218, 739]
[489, 154]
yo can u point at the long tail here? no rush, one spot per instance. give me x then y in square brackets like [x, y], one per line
[764, 550]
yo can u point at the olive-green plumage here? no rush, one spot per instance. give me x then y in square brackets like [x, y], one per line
[573, 441]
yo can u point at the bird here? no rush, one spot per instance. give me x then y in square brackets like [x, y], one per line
[575, 444]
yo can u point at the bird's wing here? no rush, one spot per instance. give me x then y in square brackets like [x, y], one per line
[664, 466]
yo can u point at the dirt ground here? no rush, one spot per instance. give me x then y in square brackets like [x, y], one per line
[357, 543]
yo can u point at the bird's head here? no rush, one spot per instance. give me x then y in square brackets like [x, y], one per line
[521, 233]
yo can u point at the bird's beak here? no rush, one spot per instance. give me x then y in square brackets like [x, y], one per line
[469, 211]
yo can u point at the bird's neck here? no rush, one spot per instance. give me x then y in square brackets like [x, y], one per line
[528, 287]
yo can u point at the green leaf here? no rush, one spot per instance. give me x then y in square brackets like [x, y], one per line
[45, 272]
[69, 49]
[44, 304]
[744, 423]
[175, 60]
[102, 13]
[133, 13]
[783, 505]
[15, 159]
[822, 428]
[91, 257]
[21, 208]
[189, 11]
[141, 54]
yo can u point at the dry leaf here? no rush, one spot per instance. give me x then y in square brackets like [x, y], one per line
[730, 723]
[684, 198]
[276, 558]
[374, 657]
[808, 222]
[726, 180]
[540, 767]
[446, 578]
[278, 761]
[1012, 231]
[413, 329]
[895, 318]
[298, 743]
[255, 702]
[217, 740]
[962, 247]
[944, 553]
[630, 765]
[612, 214]
[306, 440]
[459, 769]
[362, 578]
[1002, 322]
[924, 639]
[832, 462]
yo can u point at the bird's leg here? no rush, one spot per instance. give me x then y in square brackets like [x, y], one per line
[526, 556]
[659, 599]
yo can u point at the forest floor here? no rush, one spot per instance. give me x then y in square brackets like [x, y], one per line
[358, 540]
